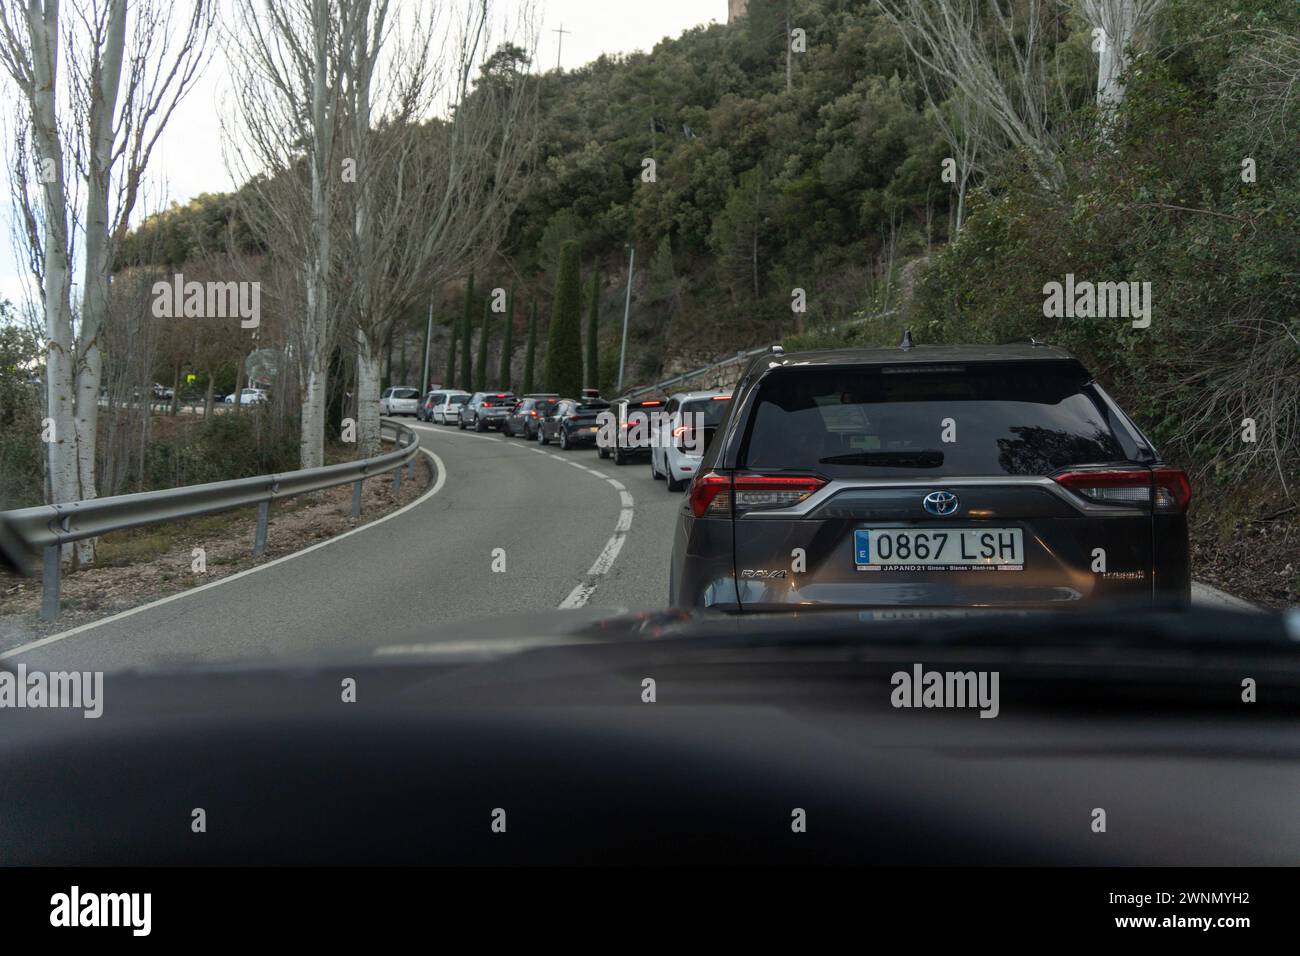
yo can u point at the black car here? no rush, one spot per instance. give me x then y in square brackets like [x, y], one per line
[523, 421]
[938, 476]
[571, 423]
[627, 429]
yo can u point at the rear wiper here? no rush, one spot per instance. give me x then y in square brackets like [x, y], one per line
[888, 459]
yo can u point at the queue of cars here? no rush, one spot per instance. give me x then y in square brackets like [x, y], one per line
[670, 434]
[969, 476]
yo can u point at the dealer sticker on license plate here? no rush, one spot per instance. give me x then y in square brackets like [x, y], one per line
[952, 549]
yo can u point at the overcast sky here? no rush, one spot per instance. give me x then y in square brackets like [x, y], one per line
[188, 161]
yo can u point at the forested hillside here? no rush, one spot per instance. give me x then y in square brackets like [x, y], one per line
[817, 152]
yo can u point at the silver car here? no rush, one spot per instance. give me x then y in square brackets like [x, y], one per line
[447, 410]
[399, 400]
[679, 436]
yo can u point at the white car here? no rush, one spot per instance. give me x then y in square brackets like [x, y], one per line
[680, 434]
[248, 396]
[399, 400]
[447, 411]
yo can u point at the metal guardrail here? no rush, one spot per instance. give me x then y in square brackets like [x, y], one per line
[664, 385]
[742, 356]
[48, 527]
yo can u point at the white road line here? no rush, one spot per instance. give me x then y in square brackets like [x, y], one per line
[53, 638]
[583, 591]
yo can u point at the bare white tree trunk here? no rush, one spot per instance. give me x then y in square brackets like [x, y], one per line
[370, 362]
[109, 139]
[290, 96]
[995, 62]
[430, 199]
[1116, 26]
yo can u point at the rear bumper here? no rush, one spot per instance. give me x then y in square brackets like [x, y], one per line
[679, 466]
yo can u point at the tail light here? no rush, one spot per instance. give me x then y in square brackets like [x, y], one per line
[1173, 490]
[711, 495]
[1165, 490]
[715, 494]
[534, 414]
[487, 404]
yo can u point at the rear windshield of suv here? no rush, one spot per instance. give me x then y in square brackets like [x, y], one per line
[458, 400]
[406, 393]
[711, 409]
[892, 421]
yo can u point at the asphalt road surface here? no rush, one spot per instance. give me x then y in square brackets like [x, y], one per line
[571, 531]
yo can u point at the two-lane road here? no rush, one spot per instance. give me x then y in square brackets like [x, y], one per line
[509, 527]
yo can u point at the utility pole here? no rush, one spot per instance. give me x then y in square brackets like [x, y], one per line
[428, 335]
[789, 52]
[560, 52]
[627, 309]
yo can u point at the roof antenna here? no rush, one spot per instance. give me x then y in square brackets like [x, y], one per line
[906, 344]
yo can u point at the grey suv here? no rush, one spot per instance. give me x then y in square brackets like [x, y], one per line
[933, 476]
[486, 410]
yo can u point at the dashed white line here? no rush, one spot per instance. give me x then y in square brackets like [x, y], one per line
[583, 591]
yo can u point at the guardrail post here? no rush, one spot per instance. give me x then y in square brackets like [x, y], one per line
[397, 480]
[259, 537]
[356, 498]
[50, 582]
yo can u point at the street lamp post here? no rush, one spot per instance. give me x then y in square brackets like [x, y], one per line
[627, 309]
[428, 335]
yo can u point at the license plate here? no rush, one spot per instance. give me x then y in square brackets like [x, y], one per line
[952, 549]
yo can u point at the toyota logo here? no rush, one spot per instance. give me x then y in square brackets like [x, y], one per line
[941, 503]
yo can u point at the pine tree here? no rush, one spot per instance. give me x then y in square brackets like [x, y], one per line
[466, 339]
[507, 344]
[564, 342]
[593, 322]
[450, 378]
[480, 364]
[530, 350]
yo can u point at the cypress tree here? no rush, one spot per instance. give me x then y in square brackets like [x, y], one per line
[480, 364]
[449, 380]
[507, 344]
[467, 338]
[593, 320]
[530, 350]
[564, 342]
